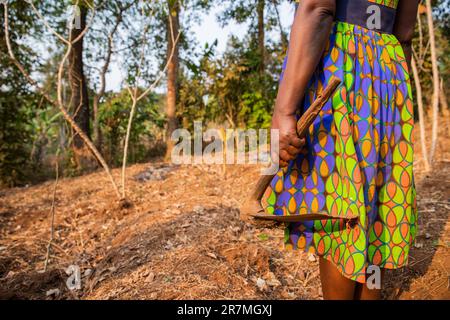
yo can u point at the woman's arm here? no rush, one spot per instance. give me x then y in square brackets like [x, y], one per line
[309, 36]
[405, 22]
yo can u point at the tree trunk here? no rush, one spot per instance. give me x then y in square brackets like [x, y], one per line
[172, 73]
[261, 34]
[423, 136]
[444, 104]
[436, 87]
[283, 35]
[443, 98]
[79, 100]
[97, 132]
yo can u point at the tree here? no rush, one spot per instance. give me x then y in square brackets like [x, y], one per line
[419, 99]
[233, 89]
[267, 17]
[436, 79]
[79, 100]
[101, 44]
[261, 34]
[430, 51]
[114, 117]
[173, 27]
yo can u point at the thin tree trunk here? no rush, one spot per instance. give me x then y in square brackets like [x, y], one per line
[127, 139]
[283, 35]
[173, 26]
[261, 34]
[421, 114]
[436, 89]
[444, 105]
[443, 99]
[79, 100]
[101, 92]
[98, 138]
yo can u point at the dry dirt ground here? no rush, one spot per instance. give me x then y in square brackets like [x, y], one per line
[181, 238]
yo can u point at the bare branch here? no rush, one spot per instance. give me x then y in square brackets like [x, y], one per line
[436, 81]
[59, 103]
[104, 70]
[161, 74]
[46, 24]
[52, 30]
[136, 98]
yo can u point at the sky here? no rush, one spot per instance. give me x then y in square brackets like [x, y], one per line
[207, 31]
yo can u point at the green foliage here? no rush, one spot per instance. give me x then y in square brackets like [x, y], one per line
[44, 129]
[256, 110]
[15, 98]
[230, 89]
[113, 116]
[14, 139]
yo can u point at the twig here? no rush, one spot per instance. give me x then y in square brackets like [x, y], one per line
[52, 226]
[435, 202]
[422, 260]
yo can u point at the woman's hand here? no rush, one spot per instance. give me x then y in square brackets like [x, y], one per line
[290, 144]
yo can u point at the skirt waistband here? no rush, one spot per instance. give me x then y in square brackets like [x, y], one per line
[366, 14]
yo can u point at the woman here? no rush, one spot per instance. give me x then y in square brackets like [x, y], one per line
[356, 163]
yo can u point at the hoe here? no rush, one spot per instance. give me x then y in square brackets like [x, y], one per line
[252, 211]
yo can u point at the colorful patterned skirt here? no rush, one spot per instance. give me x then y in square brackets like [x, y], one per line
[358, 162]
